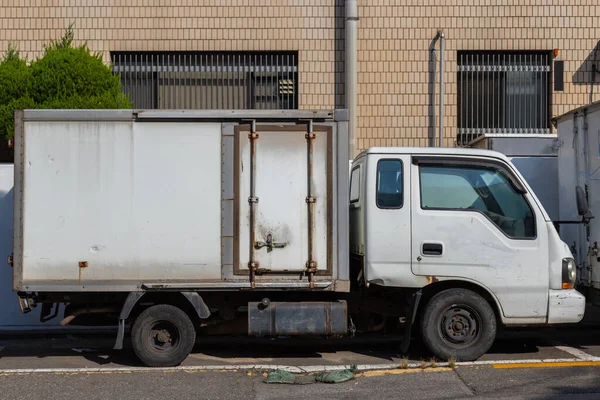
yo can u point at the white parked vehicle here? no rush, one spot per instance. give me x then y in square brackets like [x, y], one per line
[172, 221]
[579, 192]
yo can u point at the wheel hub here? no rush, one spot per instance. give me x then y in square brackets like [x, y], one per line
[459, 325]
[163, 336]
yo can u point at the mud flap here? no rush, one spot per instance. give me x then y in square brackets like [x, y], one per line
[411, 319]
[130, 302]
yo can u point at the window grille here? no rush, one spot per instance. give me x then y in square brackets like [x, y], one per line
[503, 92]
[209, 80]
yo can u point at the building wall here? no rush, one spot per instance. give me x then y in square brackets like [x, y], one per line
[393, 45]
[306, 26]
[394, 40]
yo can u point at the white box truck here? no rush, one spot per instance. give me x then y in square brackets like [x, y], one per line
[169, 222]
[579, 192]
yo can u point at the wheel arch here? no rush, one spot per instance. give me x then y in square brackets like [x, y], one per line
[436, 287]
[189, 302]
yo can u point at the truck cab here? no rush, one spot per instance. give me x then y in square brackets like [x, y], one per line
[464, 229]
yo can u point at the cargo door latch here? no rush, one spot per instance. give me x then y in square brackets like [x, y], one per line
[269, 244]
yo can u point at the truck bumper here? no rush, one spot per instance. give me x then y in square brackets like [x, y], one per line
[565, 306]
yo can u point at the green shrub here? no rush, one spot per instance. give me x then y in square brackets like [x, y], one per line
[7, 119]
[15, 76]
[65, 77]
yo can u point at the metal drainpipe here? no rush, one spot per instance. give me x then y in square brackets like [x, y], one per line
[351, 72]
[586, 157]
[442, 38]
[433, 118]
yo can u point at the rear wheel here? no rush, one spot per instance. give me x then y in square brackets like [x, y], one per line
[458, 324]
[163, 336]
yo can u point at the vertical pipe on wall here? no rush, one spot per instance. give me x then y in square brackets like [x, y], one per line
[442, 38]
[433, 78]
[351, 26]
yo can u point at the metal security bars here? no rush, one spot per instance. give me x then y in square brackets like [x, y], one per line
[209, 80]
[503, 92]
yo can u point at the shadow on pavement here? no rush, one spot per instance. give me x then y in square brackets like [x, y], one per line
[372, 349]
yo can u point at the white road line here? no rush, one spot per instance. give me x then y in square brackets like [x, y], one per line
[270, 367]
[580, 354]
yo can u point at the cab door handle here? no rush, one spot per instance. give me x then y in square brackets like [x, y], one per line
[432, 249]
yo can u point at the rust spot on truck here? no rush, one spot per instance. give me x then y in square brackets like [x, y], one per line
[160, 286]
[432, 279]
[82, 265]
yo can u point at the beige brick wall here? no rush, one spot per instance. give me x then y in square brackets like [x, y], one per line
[306, 26]
[394, 39]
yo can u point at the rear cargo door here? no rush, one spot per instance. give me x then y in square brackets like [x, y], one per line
[283, 207]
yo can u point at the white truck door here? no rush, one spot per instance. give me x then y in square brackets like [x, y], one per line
[291, 199]
[471, 221]
[388, 248]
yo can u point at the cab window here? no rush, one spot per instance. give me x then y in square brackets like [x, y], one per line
[355, 185]
[484, 190]
[389, 184]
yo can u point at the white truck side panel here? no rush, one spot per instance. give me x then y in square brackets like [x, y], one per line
[590, 176]
[11, 317]
[134, 201]
[579, 165]
[282, 211]
[593, 182]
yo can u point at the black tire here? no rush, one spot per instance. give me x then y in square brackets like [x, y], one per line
[163, 336]
[458, 324]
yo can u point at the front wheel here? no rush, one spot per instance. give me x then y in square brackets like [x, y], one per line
[458, 324]
[163, 336]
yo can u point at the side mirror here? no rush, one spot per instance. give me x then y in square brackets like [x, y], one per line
[583, 208]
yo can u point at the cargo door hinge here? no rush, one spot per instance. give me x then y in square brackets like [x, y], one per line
[311, 267]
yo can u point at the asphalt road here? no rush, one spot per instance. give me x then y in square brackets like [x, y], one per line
[553, 364]
[460, 383]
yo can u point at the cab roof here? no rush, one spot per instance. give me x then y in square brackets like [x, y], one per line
[434, 151]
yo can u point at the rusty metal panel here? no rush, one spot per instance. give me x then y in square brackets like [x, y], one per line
[297, 318]
[281, 228]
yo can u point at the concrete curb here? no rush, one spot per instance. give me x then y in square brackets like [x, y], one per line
[290, 368]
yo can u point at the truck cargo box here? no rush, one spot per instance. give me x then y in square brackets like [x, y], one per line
[131, 200]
